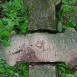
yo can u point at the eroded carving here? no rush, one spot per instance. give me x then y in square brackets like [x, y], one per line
[42, 47]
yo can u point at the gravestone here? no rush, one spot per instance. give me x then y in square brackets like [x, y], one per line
[42, 14]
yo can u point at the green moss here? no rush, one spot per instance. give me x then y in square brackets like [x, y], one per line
[20, 69]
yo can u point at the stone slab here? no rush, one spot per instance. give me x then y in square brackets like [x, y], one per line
[42, 14]
[42, 47]
[42, 70]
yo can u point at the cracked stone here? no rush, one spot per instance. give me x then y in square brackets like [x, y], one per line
[42, 47]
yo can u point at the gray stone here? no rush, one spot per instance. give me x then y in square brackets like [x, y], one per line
[42, 14]
[42, 71]
[42, 47]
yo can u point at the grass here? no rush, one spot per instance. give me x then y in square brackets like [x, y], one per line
[67, 15]
[19, 70]
[66, 71]
[13, 14]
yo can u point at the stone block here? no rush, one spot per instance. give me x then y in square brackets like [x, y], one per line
[42, 70]
[42, 47]
[42, 14]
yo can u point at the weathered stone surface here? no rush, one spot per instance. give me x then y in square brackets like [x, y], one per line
[42, 70]
[42, 14]
[42, 47]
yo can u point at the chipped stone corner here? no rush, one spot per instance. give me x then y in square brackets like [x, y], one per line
[70, 30]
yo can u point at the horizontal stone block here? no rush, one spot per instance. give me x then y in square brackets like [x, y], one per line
[42, 47]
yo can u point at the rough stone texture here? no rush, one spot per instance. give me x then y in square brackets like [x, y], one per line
[42, 47]
[42, 71]
[42, 14]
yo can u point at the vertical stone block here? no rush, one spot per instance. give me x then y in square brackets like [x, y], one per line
[42, 70]
[42, 14]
